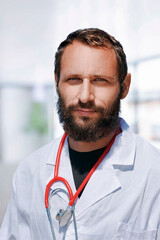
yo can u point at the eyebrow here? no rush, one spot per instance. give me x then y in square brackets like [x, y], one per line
[102, 76]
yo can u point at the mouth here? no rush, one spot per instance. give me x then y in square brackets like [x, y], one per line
[85, 111]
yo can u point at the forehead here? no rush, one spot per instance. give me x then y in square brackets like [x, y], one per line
[82, 59]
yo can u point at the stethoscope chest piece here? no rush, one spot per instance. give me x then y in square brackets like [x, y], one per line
[63, 216]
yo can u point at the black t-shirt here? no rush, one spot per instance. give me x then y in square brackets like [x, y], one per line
[82, 163]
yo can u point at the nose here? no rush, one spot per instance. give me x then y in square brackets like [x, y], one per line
[86, 91]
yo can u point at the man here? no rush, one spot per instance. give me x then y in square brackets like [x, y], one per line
[121, 199]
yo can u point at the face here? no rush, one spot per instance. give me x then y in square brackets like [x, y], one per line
[89, 92]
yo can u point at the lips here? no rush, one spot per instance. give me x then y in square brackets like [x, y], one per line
[85, 111]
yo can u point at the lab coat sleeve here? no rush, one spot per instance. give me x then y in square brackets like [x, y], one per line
[9, 228]
[157, 207]
[14, 224]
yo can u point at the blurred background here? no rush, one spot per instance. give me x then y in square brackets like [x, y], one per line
[30, 32]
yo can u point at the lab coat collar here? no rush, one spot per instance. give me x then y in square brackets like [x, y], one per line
[121, 154]
[123, 148]
[53, 153]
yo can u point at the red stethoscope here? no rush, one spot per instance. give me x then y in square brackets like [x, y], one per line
[63, 216]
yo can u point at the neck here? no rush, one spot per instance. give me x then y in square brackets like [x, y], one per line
[90, 146]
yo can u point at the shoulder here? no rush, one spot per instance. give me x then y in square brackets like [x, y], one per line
[146, 146]
[148, 154]
[37, 160]
[143, 146]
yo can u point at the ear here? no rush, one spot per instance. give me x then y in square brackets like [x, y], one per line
[56, 81]
[126, 85]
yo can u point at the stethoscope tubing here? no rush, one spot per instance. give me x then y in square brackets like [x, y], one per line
[50, 222]
[57, 179]
[59, 155]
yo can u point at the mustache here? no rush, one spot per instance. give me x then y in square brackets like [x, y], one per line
[87, 105]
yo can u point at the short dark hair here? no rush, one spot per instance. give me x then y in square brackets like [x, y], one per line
[93, 37]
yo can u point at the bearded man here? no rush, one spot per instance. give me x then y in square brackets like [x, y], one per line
[102, 180]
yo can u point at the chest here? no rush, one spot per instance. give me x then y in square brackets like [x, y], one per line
[124, 213]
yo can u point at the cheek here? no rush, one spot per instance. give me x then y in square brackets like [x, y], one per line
[106, 97]
[69, 95]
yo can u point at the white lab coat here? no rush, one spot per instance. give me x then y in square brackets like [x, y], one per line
[121, 201]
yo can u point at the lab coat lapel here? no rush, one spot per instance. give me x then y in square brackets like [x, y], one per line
[102, 183]
[104, 180]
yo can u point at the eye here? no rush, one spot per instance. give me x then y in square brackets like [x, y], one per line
[100, 81]
[74, 80]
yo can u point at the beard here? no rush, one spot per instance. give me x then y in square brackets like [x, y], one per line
[92, 129]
